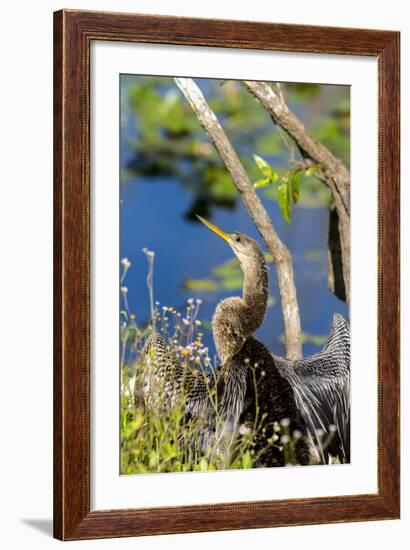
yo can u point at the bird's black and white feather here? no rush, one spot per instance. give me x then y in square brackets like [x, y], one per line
[321, 385]
[167, 381]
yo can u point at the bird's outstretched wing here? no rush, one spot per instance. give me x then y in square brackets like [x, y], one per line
[321, 385]
[210, 397]
[167, 380]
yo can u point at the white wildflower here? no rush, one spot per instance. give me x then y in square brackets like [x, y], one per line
[243, 429]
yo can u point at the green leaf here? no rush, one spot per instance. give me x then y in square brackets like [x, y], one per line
[203, 465]
[152, 459]
[261, 183]
[247, 460]
[284, 199]
[295, 186]
[311, 170]
[262, 165]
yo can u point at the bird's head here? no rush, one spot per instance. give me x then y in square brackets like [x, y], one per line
[244, 248]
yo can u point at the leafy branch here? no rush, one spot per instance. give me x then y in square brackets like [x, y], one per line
[287, 185]
[335, 175]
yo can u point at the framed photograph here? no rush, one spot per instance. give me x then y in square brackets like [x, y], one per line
[226, 275]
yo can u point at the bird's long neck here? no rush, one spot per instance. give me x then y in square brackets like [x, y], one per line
[236, 319]
[256, 287]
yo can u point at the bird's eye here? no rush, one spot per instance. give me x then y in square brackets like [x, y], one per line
[237, 239]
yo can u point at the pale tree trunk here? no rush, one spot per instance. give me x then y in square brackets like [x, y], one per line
[331, 171]
[280, 253]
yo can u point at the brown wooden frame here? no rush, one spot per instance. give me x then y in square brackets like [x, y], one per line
[73, 33]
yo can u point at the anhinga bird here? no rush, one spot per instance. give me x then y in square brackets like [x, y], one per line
[310, 396]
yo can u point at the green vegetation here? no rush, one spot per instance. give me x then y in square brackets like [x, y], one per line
[170, 142]
[157, 436]
[287, 188]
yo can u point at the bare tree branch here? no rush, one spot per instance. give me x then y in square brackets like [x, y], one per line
[335, 174]
[280, 253]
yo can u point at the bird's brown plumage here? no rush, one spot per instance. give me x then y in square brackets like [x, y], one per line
[256, 389]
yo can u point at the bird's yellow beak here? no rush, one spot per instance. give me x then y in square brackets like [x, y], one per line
[215, 229]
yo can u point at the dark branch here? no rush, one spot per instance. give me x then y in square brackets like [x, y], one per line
[334, 173]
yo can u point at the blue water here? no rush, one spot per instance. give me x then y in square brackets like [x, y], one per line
[153, 216]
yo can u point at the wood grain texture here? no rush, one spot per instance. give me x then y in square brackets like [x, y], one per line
[73, 32]
[58, 280]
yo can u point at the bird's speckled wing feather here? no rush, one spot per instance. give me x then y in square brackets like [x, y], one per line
[167, 380]
[321, 384]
